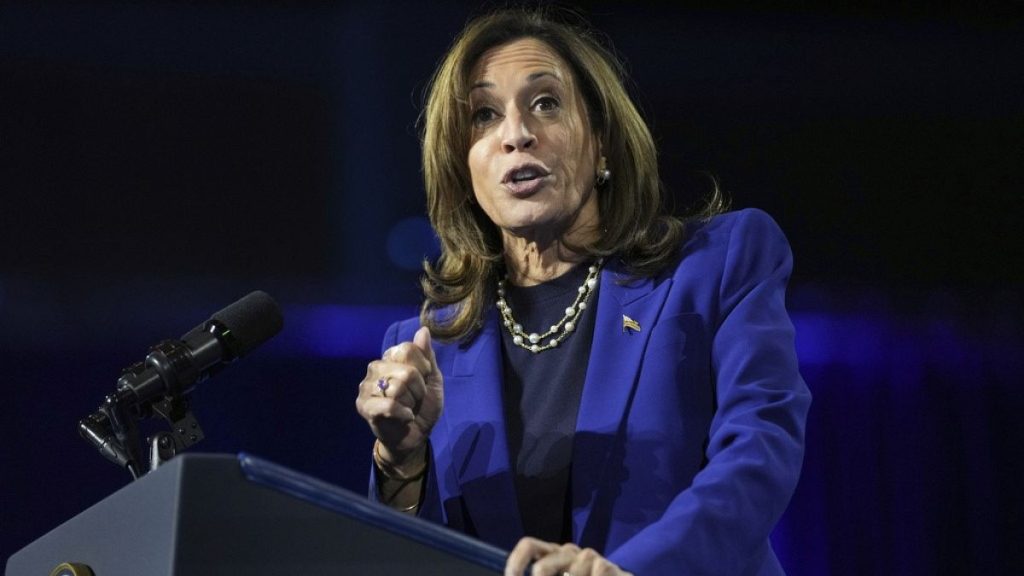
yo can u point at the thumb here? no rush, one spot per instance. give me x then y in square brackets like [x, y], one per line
[422, 341]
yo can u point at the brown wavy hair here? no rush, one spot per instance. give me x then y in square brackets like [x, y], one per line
[635, 224]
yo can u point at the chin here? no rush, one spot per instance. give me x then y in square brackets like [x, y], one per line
[535, 227]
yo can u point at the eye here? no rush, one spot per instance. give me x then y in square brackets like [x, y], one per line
[483, 115]
[546, 104]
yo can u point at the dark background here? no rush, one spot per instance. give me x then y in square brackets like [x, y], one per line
[159, 160]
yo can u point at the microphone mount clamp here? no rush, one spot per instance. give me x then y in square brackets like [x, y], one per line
[156, 387]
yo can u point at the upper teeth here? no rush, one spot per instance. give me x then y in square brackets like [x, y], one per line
[524, 174]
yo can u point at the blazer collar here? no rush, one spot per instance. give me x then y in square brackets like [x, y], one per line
[626, 313]
[474, 407]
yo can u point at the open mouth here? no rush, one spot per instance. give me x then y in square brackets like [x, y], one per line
[523, 174]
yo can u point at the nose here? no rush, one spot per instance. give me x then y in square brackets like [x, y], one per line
[516, 135]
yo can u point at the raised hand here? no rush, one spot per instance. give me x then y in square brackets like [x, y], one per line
[401, 398]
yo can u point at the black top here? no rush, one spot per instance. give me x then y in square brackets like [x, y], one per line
[541, 398]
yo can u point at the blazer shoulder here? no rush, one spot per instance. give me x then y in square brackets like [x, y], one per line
[750, 231]
[400, 331]
[746, 243]
[749, 222]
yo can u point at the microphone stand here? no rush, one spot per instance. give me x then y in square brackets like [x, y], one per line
[158, 385]
[114, 428]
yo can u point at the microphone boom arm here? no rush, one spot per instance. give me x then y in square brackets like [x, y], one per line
[143, 393]
[159, 385]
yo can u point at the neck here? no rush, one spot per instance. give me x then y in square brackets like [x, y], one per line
[529, 264]
[531, 261]
[537, 254]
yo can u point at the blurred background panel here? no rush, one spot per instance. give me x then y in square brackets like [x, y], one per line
[158, 160]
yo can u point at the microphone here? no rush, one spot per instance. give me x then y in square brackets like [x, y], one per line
[170, 370]
[174, 366]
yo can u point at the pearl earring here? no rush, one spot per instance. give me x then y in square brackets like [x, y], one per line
[603, 173]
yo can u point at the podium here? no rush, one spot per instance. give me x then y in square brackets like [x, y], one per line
[213, 515]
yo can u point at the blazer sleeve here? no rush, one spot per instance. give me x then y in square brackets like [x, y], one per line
[430, 502]
[720, 524]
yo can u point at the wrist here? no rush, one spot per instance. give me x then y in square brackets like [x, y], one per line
[400, 465]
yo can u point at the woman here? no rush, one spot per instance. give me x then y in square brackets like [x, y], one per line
[611, 389]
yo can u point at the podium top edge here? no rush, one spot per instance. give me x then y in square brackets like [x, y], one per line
[339, 500]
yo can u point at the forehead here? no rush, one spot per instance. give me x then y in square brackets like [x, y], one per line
[523, 56]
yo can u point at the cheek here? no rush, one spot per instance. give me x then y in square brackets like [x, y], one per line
[478, 164]
[473, 159]
[578, 174]
[480, 175]
[576, 154]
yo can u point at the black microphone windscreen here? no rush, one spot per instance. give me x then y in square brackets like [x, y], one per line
[251, 321]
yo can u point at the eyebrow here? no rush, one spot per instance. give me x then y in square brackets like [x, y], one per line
[531, 78]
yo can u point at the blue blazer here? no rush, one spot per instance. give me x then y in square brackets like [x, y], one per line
[690, 433]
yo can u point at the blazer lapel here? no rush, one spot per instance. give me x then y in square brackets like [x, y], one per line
[477, 435]
[615, 358]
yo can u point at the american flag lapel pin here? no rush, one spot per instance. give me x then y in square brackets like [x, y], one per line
[630, 324]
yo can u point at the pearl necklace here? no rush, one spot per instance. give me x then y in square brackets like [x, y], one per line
[558, 332]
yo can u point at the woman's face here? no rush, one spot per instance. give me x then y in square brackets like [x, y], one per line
[532, 156]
